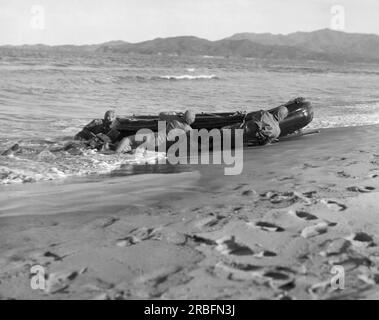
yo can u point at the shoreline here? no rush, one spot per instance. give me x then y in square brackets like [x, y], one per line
[142, 172]
[137, 168]
[299, 208]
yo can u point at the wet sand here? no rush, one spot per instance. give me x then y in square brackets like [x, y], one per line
[299, 208]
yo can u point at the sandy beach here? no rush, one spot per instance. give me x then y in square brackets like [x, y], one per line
[299, 208]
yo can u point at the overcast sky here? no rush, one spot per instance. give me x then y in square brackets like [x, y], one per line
[96, 21]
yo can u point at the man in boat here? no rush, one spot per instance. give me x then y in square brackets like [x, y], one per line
[99, 133]
[12, 150]
[173, 121]
[178, 121]
[262, 127]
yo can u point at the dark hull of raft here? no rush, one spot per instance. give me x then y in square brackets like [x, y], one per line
[300, 115]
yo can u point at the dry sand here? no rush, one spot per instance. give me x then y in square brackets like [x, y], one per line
[275, 232]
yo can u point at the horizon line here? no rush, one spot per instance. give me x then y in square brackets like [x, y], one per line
[180, 36]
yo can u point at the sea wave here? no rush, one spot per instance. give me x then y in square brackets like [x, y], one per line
[187, 77]
[47, 159]
[120, 79]
[47, 166]
[346, 115]
[326, 69]
[166, 77]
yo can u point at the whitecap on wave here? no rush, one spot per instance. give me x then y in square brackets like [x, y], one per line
[47, 166]
[346, 116]
[189, 77]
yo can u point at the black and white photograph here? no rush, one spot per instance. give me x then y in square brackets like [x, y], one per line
[189, 150]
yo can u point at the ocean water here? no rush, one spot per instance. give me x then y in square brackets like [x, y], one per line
[45, 98]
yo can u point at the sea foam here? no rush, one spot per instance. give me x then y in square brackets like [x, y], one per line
[189, 77]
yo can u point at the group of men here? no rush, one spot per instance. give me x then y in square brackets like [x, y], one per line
[101, 134]
[260, 127]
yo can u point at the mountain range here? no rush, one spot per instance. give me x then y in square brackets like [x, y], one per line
[323, 44]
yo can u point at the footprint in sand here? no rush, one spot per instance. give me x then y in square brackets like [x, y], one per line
[317, 290]
[309, 194]
[369, 278]
[265, 254]
[351, 260]
[266, 226]
[239, 271]
[237, 209]
[249, 192]
[212, 222]
[103, 223]
[360, 189]
[310, 217]
[278, 278]
[334, 205]
[60, 282]
[343, 174]
[315, 230]
[304, 215]
[335, 247]
[284, 296]
[375, 160]
[280, 199]
[127, 242]
[286, 199]
[54, 256]
[308, 166]
[361, 240]
[202, 240]
[139, 235]
[286, 178]
[46, 258]
[276, 275]
[229, 246]
[240, 186]
[244, 266]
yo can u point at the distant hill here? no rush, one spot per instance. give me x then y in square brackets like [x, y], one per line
[334, 44]
[189, 45]
[317, 45]
[178, 45]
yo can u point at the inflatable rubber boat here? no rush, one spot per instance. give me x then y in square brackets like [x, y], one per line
[300, 114]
